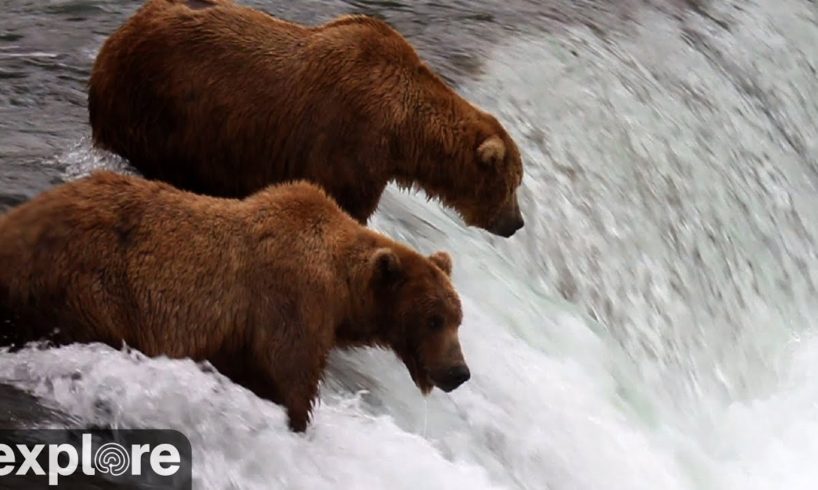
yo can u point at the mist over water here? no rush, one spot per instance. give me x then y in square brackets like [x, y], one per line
[653, 325]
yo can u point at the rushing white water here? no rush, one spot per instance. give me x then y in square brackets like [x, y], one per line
[652, 327]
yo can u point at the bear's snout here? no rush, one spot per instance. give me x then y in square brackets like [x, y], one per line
[508, 227]
[452, 377]
[508, 221]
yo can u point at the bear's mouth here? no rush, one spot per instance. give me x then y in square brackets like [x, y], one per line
[419, 373]
[444, 384]
[449, 378]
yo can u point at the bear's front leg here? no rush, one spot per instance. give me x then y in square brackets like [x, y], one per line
[299, 406]
[292, 377]
[298, 387]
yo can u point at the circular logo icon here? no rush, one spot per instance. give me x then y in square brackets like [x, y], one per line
[112, 459]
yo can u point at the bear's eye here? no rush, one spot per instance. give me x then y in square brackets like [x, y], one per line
[436, 323]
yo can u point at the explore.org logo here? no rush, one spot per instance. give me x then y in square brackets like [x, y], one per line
[142, 458]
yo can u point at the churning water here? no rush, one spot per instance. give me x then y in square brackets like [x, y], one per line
[652, 327]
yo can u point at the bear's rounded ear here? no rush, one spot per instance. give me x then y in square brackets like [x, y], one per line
[443, 261]
[386, 265]
[492, 150]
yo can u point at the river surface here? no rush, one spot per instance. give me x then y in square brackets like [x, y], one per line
[652, 327]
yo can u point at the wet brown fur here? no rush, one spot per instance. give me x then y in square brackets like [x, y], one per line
[262, 287]
[222, 99]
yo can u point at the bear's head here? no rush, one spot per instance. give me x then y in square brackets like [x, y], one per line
[453, 150]
[418, 315]
[493, 171]
[482, 171]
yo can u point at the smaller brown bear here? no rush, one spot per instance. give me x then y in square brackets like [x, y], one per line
[221, 99]
[263, 287]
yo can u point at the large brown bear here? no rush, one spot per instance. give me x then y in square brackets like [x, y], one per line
[262, 287]
[222, 99]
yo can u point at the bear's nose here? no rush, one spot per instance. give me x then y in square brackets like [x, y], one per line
[508, 225]
[518, 223]
[457, 375]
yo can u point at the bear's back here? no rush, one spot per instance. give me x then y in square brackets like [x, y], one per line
[110, 250]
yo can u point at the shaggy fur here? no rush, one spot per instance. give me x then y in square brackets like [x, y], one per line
[262, 287]
[222, 99]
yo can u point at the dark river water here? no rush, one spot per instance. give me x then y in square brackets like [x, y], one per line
[653, 326]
